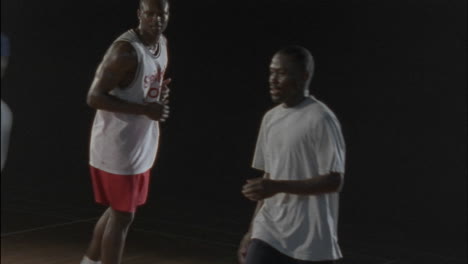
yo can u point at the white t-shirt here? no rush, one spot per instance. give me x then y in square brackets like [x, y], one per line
[127, 144]
[299, 143]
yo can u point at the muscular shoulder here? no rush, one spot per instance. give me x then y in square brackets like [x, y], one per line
[121, 54]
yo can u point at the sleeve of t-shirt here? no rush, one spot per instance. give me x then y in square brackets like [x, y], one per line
[259, 154]
[330, 146]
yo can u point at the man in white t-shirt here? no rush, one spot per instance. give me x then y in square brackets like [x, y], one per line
[301, 151]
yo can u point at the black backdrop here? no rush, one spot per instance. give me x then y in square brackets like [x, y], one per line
[393, 72]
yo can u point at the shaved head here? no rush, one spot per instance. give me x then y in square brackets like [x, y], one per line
[301, 57]
[303, 61]
[163, 2]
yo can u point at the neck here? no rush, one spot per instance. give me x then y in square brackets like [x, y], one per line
[293, 101]
[295, 98]
[147, 39]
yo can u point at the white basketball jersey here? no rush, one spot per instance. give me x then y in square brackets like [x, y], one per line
[127, 144]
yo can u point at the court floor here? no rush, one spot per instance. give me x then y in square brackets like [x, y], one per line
[39, 231]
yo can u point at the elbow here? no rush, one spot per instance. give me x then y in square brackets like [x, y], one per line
[93, 100]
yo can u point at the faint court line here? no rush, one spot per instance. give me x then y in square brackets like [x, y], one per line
[9, 234]
[93, 219]
[4, 235]
[141, 219]
[181, 223]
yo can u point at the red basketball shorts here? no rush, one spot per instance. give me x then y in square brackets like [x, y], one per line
[121, 192]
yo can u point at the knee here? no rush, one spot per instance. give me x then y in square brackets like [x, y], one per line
[123, 219]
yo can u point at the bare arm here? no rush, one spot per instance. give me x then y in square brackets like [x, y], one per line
[119, 64]
[261, 188]
[322, 184]
[119, 61]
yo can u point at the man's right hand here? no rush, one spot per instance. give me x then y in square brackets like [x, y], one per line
[157, 111]
[244, 244]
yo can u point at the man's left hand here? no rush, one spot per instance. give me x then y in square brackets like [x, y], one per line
[259, 189]
[165, 90]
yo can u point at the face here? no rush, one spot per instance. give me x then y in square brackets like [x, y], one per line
[153, 15]
[286, 80]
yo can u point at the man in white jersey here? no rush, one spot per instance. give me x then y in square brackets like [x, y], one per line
[301, 151]
[130, 96]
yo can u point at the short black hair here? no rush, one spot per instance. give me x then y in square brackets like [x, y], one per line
[301, 56]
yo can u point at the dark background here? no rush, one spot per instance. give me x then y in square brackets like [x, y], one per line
[393, 72]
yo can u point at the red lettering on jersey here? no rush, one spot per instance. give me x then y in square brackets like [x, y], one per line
[154, 82]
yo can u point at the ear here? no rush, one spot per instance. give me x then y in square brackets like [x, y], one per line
[139, 13]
